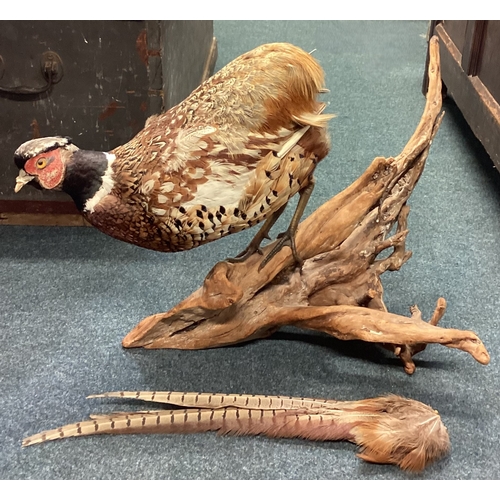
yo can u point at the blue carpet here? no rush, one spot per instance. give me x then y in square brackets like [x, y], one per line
[69, 295]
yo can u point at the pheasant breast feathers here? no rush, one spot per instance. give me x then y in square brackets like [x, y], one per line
[226, 158]
[211, 166]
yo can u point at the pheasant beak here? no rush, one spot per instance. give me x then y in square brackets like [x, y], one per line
[21, 180]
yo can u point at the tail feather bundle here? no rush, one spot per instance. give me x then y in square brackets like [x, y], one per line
[389, 429]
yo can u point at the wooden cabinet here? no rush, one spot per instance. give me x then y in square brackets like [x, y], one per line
[470, 70]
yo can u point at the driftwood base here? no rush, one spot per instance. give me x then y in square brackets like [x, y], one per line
[338, 289]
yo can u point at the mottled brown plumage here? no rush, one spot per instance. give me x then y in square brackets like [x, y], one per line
[227, 157]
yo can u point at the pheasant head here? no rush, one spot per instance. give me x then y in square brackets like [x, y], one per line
[56, 163]
[43, 161]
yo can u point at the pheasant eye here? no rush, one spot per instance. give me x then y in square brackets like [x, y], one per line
[41, 163]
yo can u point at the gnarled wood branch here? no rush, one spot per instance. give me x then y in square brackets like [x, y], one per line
[338, 290]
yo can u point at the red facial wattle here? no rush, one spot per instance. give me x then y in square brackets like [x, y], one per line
[47, 167]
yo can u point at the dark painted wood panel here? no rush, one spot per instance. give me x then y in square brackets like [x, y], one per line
[480, 110]
[456, 31]
[489, 68]
[473, 48]
[44, 219]
[186, 47]
[38, 207]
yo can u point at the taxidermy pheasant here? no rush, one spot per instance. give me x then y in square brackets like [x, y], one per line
[226, 158]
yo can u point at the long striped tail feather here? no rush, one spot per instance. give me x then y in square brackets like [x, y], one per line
[219, 400]
[388, 429]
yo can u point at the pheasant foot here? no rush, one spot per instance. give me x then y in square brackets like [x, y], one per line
[284, 239]
[263, 233]
[288, 237]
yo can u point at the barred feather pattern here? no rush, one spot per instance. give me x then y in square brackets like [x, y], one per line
[210, 166]
[389, 429]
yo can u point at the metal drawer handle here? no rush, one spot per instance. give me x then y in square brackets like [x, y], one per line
[52, 70]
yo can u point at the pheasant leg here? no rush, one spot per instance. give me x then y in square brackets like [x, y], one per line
[288, 237]
[263, 233]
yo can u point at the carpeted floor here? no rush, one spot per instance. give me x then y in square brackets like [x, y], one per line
[69, 295]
